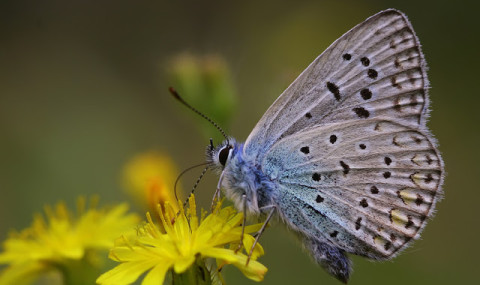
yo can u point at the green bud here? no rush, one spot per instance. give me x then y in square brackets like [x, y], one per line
[205, 83]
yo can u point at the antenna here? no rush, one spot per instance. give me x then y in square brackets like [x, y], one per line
[175, 94]
[194, 186]
[185, 171]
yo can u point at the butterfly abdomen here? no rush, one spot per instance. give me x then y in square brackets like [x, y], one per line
[333, 259]
[242, 176]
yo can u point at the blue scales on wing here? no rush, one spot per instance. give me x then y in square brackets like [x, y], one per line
[365, 187]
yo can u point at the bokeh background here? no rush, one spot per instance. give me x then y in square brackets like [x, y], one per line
[83, 88]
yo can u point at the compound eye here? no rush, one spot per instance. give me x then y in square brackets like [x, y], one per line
[223, 155]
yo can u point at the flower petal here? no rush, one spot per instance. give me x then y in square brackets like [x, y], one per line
[185, 239]
[125, 273]
[254, 270]
[22, 273]
[248, 241]
[157, 274]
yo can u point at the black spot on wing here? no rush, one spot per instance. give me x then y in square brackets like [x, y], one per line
[419, 200]
[333, 139]
[366, 93]
[372, 73]
[428, 178]
[319, 199]
[358, 223]
[393, 81]
[388, 160]
[361, 112]
[345, 167]
[365, 61]
[409, 222]
[334, 89]
[397, 63]
[387, 245]
[305, 150]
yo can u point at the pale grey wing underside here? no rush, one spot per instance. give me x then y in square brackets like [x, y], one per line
[375, 69]
[366, 186]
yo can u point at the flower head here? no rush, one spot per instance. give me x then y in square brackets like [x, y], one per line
[185, 238]
[62, 237]
[150, 177]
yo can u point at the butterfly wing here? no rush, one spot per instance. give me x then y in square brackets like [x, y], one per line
[375, 69]
[368, 192]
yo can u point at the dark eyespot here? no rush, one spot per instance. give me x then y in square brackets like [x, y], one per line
[409, 222]
[334, 89]
[333, 139]
[361, 112]
[223, 155]
[419, 200]
[347, 56]
[372, 73]
[365, 61]
[387, 245]
[364, 203]
[358, 223]
[429, 178]
[366, 93]
[346, 167]
[388, 160]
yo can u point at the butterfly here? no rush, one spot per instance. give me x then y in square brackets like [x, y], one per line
[344, 157]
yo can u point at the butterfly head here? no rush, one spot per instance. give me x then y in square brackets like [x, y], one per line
[219, 156]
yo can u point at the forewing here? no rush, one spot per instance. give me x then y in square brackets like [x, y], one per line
[376, 69]
[367, 186]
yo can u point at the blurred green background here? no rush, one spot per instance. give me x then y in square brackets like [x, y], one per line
[83, 88]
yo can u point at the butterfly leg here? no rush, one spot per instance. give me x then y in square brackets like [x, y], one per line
[216, 196]
[331, 258]
[244, 200]
[260, 232]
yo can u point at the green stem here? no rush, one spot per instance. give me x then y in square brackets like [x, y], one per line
[79, 272]
[197, 274]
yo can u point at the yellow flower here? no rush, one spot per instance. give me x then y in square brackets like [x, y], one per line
[149, 178]
[62, 237]
[184, 239]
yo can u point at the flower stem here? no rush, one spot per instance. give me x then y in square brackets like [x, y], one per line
[78, 272]
[197, 274]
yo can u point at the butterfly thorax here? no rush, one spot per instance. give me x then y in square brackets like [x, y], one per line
[242, 177]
